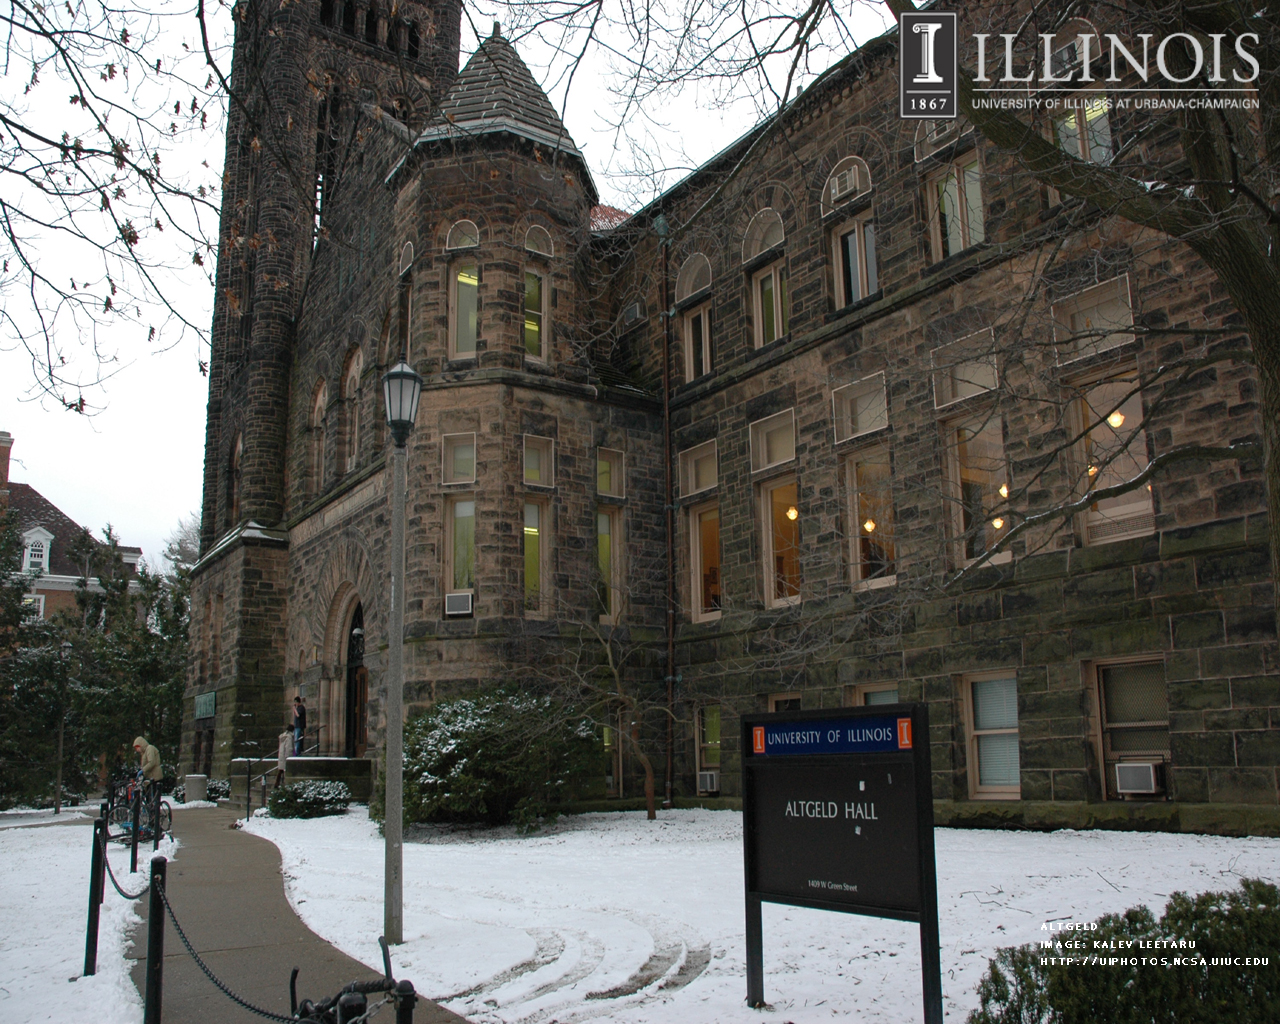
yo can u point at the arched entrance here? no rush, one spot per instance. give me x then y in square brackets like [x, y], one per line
[357, 716]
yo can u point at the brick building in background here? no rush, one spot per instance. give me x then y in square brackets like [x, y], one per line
[882, 347]
[49, 537]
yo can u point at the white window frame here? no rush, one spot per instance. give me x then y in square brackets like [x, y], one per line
[529, 241]
[970, 235]
[862, 184]
[37, 535]
[1139, 511]
[978, 791]
[843, 407]
[948, 367]
[856, 523]
[617, 472]
[781, 301]
[760, 430]
[547, 446]
[689, 459]
[614, 583]
[702, 314]
[544, 327]
[451, 502]
[448, 444]
[33, 606]
[455, 322]
[455, 241]
[771, 599]
[857, 224]
[697, 613]
[1067, 344]
[955, 482]
[542, 607]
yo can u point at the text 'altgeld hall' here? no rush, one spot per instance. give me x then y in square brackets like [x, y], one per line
[879, 348]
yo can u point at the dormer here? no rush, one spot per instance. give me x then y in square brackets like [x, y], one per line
[37, 548]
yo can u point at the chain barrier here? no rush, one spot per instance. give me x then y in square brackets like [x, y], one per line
[112, 875]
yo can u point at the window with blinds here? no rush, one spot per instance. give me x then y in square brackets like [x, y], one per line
[993, 742]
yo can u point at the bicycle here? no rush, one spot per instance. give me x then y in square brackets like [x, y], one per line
[121, 813]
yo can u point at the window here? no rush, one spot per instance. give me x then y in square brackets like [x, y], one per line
[773, 440]
[964, 369]
[870, 694]
[459, 458]
[538, 239]
[1095, 320]
[708, 736]
[37, 557]
[769, 296]
[955, 208]
[466, 308]
[1085, 131]
[608, 562]
[609, 478]
[697, 341]
[980, 484]
[460, 545]
[1134, 704]
[849, 179]
[1116, 452]
[33, 606]
[935, 135]
[405, 300]
[538, 468]
[463, 235]
[315, 438]
[704, 536]
[860, 407]
[993, 738]
[535, 315]
[234, 481]
[854, 245]
[535, 557]
[781, 543]
[351, 402]
[784, 702]
[698, 471]
[694, 277]
[873, 553]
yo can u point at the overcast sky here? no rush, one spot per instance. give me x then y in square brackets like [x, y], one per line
[138, 463]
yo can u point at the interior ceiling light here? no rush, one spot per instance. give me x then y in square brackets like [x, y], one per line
[1004, 490]
[869, 526]
[792, 514]
[1116, 419]
[998, 523]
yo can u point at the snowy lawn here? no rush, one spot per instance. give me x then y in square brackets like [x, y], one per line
[608, 916]
[43, 907]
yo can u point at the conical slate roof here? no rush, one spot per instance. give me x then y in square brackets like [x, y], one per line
[495, 92]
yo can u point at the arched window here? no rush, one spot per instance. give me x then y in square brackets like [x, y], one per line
[765, 232]
[315, 438]
[463, 235]
[351, 404]
[233, 481]
[849, 179]
[406, 257]
[405, 299]
[538, 239]
[853, 238]
[371, 24]
[770, 303]
[694, 280]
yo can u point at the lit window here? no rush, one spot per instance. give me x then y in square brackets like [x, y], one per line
[33, 606]
[608, 562]
[535, 315]
[873, 555]
[459, 458]
[538, 239]
[1116, 452]
[538, 468]
[781, 547]
[697, 341]
[993, 738]
[609, 478]
[964, 369]
[463, 235]
[980, 485]
[535, 556]
[704, 536]
[1093, 321]
[1135, 715]
[955, 209]
[698, 470]
[860, 407]
[709, 736]
[854, 245]
[1085, 132]
[466, 306]
[461, 545]
[773, 440]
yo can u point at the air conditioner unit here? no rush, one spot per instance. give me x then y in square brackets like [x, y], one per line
[709, 782]
[457, 604]
[632, 314]
[1139, 777]
[844, 183]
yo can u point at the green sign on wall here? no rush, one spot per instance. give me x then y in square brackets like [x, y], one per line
[204, 704]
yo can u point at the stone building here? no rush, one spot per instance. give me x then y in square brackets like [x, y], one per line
[844, 423]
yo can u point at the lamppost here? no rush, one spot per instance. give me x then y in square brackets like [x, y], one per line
[401, 389]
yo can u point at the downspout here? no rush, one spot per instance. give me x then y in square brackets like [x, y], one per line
[664, 245]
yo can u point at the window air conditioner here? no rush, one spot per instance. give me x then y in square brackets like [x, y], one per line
[457, 604]
[709, 782]
[845, 183]
[1138, 777]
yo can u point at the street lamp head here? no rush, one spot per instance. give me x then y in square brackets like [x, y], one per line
[401, 389]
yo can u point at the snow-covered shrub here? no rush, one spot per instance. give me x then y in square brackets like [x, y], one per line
[219, 789]
[1212, 937]
[310, 799]
[496, 757]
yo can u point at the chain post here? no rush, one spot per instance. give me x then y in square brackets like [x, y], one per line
[406, 1000]
[133, 840]
[155, 941]
[95, 897]
[352, 1006]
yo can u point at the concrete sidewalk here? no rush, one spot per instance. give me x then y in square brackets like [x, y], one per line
[226, 888]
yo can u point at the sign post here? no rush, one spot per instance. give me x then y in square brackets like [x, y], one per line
[838, 815]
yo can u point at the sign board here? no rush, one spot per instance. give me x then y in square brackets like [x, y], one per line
[928, 79]
[838, 815]
[204, 704]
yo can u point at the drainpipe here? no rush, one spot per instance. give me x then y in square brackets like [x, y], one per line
[664, 244]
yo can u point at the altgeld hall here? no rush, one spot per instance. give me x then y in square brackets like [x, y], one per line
[820, 426]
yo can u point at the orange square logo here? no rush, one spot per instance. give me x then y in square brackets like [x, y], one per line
[904, 734]
[757, 739]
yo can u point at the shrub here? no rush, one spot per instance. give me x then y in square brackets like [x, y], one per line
[218, 789]
[1022, 986]
[497, 757]
[309, 799]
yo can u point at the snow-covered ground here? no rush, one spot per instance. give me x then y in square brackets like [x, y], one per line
[44, 901]
[20, 817]
[608, 916]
